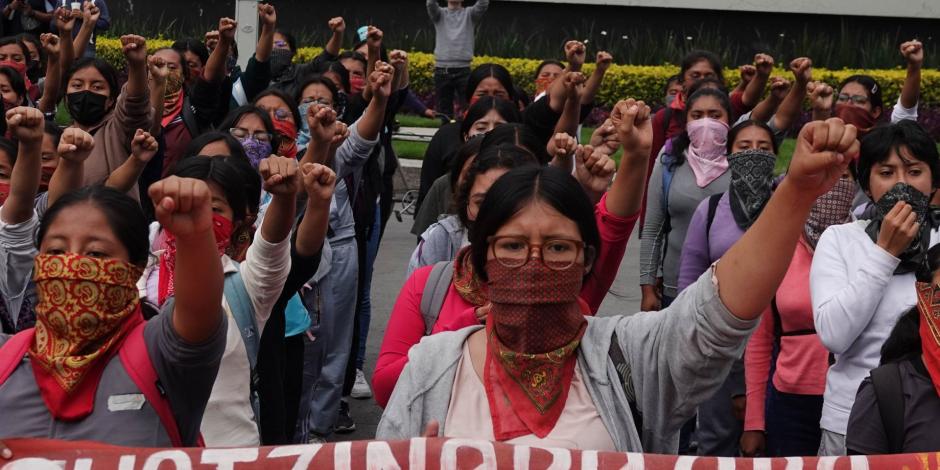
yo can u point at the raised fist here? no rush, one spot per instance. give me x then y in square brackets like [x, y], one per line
[183, 206]
[75, 145]
[319, 181]
[25, 124]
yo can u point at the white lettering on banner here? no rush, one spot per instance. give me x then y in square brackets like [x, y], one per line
[826, 463]
[859, 462]
[225, 459]
[304, 453]
[82, 464]
[794, 463]
[416, 453]
[449, 453]
[35, 463]
[379, 456]
[179, 458]
[561, 459]
[685, 462]
[635, 461]
[725, 463]
[589, 460]
[763, 464]
[127, 462]
[342, 456]
[520, 456]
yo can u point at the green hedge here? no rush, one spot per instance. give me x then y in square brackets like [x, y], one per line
[643, 82]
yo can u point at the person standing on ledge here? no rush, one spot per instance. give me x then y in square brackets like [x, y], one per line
[453, 49]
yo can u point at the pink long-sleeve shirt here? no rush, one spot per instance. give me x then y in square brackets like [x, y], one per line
[406, 325]
[802, 361]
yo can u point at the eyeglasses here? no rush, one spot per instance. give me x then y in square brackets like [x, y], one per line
[857, 99]
[239, 133]
[557, 254]
[318, 101]
[280, 114]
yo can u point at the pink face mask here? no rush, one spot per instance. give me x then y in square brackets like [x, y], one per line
[708, 143]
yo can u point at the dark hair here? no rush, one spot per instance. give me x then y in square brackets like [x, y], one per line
[483, 106]
[465, 152]
[287, 99]
[695, 57]
[878, 144]
[669, 81]
[196, 145]
[733, 133]
[519, 135]
[314, 80]
[32, 39]
[184, 66]
[871, 88]
[514, 190]
[10, 148]
[383, 52]
[291, 41]
[6, 41]
[904, 341]
[354, 56]
[105, 69]
[485, 71]
[545, 63]
[124, 216]
[16, 83]
[193, 45]
[681, 142]
[53, 129]
[506, 156]
[223, 172]
[709, 82]
[236, 114]
[334, 67]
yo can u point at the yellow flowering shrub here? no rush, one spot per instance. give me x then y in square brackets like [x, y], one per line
[622, 81]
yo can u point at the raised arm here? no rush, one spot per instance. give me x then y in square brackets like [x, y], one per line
[322, 124]
[752, 269]
[50, 96]
[158, 75]
[183, 206]
[792, 105]
[575, 53]
[821, 97]
[318, 181]
[571, 114]
[913, 52]
[338, 27]
[593, 84]
[634, 127]
[281, 179]
[90, 16]
[594, 171]
[75, 146]
[135, 51]
[374, 45]
[26, 125]
[65, 22]
[380, 82]
[399, 60]
[767, 107]
[214, 71]
[755, 89]
[478, 9]
[434, 10]
[143, 148]
[267, 15]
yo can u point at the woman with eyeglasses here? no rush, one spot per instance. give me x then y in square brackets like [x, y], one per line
[284, 116]
[859, 100]
[542, 373]
[253, 128]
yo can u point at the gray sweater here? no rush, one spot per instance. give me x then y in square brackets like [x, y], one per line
[678, 358]
[684, 197]
[453, 44]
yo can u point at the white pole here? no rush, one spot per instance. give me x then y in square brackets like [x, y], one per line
[246, 13]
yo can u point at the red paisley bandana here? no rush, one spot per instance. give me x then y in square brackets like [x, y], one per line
[928, 303]
[533, 333]
[466, 281]
[221, 227]
[86, 307]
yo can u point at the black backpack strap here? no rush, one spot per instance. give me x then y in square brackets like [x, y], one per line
[712, 208]
[435, 290]
[886, 381]
[623, 372]
[667, 118]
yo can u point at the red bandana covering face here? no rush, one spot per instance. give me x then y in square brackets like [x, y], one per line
[861, 118]
[288, 133]
[533, 334]
[466, 281]
[221, 228]
[4, 192]
[86, 307]
[928, 303]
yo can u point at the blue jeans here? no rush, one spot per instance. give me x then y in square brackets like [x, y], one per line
[792, 423]
[365, 290]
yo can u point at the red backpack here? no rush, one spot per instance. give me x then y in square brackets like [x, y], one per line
[136, 361]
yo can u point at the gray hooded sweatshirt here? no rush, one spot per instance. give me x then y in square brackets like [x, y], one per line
[678, 358]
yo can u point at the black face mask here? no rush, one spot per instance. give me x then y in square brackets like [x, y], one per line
[86, 107]
[280, 61]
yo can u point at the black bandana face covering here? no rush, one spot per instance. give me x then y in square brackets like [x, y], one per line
[752, 173]
[916, 254]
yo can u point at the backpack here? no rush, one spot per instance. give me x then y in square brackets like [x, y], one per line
[136, 361]
[435, 290]
[886, 382]
[623, 372]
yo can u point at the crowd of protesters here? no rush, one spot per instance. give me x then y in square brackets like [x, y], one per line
[188, 259]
